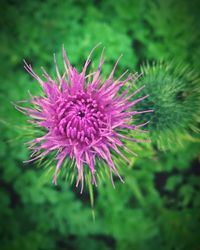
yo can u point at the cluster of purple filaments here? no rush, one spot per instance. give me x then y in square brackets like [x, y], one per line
[80, 119]
[83, 118]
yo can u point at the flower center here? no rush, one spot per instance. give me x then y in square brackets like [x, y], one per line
[80, 119]
[81, 114]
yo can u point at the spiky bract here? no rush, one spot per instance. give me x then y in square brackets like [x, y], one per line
[174, 95]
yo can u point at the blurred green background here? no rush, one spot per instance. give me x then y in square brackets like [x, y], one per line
[159, 205]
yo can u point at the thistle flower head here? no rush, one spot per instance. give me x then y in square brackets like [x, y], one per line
[83, 119]
[175, 98]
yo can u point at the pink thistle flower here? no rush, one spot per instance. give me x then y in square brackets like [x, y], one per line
[83, 119]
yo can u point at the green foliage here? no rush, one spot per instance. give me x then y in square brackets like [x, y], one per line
[175, 30]
[158, 206]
